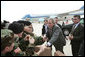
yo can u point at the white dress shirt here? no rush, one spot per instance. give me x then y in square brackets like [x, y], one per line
[76, 25]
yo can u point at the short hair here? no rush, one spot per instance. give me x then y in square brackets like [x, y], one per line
[78, 16]
[7, 41]
[45, 20]
[16, 27]
[56, 17]
[52, 20]
[26, 23]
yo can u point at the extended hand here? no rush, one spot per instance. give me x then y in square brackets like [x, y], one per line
[42, 48]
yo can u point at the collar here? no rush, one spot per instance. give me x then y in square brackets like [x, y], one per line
[76, 25]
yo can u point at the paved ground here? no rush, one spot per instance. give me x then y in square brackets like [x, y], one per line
[38, 30]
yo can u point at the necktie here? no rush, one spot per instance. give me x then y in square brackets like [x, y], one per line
[50, 32]
[73, 28]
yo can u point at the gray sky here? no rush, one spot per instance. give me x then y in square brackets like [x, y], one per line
[14, 10]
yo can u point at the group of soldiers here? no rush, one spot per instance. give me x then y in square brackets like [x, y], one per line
[19, 40]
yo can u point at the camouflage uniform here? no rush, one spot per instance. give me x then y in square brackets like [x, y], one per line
[7, 54]
[29, 48]
[38, 39]
[6, 32]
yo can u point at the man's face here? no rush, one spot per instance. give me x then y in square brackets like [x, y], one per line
[50, 24]
[56, 20]
[76, 20]
[28, 28]
[9, 48]
[45, 22]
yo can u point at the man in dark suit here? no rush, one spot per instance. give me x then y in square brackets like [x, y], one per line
[55, 36]
[56, 22]
[77, 34]
[44, 28]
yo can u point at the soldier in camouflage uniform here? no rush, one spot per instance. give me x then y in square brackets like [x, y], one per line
[29, 51]
[7, 42]
[17, 28]
[28, 29]
[20, 41]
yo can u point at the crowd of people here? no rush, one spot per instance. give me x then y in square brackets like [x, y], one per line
[18, 39]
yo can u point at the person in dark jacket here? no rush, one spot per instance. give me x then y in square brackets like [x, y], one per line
[76, 35]
[56, 22]
[28, 30]
[44, 29]
[55, 36]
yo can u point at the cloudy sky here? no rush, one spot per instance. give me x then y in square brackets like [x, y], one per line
[15, 10]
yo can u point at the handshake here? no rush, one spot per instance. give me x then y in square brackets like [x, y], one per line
[43, 49]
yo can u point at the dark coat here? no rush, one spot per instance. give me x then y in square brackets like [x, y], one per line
[43, 30]
[78, 35]
[56, 38]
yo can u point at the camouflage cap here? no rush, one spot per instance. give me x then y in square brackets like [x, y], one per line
[5, 32]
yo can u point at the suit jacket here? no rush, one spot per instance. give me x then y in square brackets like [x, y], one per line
[43, 30]
[78, 34]
[56, 38]
[78, 37]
